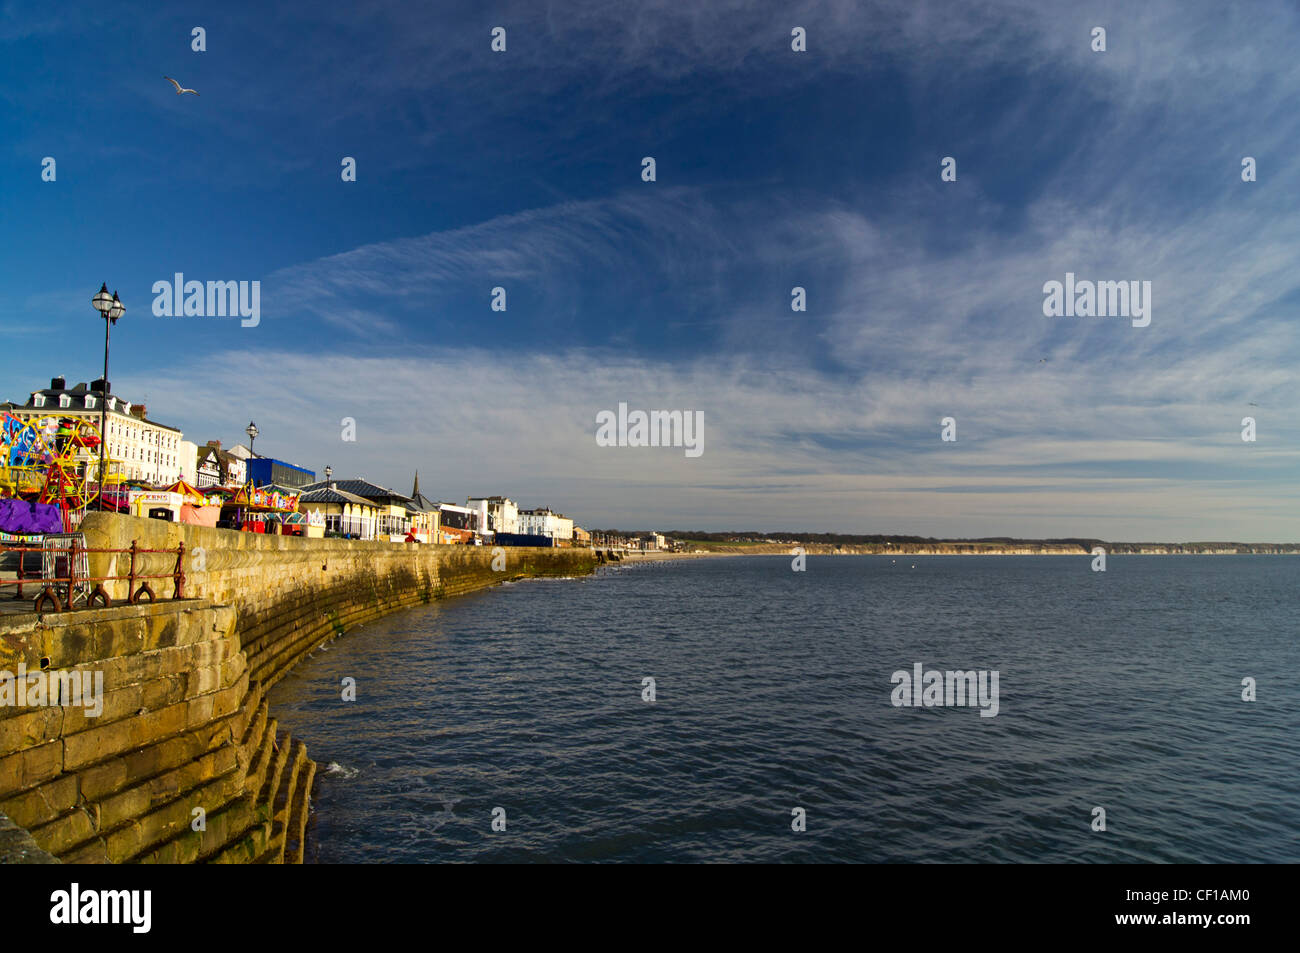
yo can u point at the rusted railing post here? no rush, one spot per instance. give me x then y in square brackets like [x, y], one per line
[22, 556]
[130, 589]
[72, 572]
[179, 575]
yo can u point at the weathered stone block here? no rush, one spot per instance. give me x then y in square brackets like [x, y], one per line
[27, 727]
[65, 831]
[30, 767]
[42, 804]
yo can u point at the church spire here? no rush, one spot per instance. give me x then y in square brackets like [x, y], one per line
[415, 492]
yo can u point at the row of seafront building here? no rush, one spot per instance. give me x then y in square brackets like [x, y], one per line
[149, 456]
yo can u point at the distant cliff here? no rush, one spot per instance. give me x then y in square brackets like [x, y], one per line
[987, 548]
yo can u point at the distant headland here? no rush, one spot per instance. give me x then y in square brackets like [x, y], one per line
[756, 543]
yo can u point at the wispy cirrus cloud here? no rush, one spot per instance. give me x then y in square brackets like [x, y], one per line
[471, 423]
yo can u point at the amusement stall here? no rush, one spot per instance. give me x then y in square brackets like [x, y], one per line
[261, 510]
[178, 503]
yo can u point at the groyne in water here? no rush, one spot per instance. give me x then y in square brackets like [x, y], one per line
[185, 762]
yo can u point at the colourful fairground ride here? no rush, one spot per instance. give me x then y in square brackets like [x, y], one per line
[263, 510]
[53, 460]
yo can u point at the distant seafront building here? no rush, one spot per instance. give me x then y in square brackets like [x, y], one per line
[207, 466]
[264, 470]
[344, 513]
[425, 516]
[144, 448]
[216, 467]
[545, 522]
[189, 458]
[457, 524]
[563, 527]
[392, 520]
[497, 514]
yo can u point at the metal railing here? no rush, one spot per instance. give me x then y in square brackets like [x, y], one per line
[65, 578]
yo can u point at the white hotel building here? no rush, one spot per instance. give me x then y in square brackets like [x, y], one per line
[498, 514]
[144, 449]
[543, 522]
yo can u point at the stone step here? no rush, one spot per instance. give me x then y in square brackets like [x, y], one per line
[293, 613]
[296, 830]
[281, 654]
[127, 751]
[266, 795]
[284, 793]
[251, 740]
[70, 829]
[187, 847]
[270, 664]
[262, 760]
[271, 660]
[251, 769]
[248, 841]
[265, 844]
[180, 758]
[164, 822]
[274, 854]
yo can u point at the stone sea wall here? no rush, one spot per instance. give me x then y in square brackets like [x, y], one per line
[185, 732]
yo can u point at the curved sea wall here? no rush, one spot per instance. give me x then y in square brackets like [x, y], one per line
[185, 762]
[290, 594]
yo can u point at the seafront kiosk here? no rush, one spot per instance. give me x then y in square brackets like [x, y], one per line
[255, 510]
[156, 504]
[198, 508]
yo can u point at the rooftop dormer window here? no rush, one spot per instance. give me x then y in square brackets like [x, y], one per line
[38, 400]
[90, 403]
[65, 400]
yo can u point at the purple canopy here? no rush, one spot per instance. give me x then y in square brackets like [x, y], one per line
[19, 516]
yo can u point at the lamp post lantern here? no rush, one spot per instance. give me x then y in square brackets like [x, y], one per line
[111, 308]
[251, 430]
[329, 472]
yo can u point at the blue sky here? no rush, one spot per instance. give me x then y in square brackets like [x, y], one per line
[821, 169]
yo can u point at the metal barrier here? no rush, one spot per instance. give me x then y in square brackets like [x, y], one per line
[70, 555]
[58, 553]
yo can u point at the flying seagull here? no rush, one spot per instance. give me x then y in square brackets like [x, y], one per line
[179, 88]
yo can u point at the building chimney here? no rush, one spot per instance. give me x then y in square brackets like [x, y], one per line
[215, 443]
[59, 383]
[138, 410]
[101, 386]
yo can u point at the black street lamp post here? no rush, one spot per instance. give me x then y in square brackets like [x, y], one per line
[111, 309]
